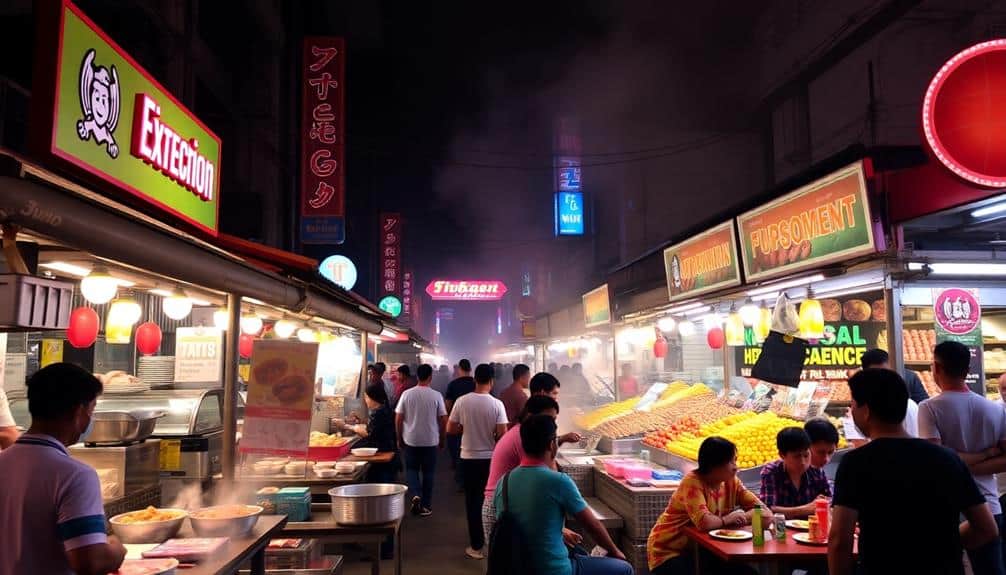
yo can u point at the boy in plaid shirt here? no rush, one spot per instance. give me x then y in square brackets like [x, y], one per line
[790, 484]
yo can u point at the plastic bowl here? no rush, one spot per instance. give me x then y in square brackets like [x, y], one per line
[325, 473]
[148, 531]
[364, 451]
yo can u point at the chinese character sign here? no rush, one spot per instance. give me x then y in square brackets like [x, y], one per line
[390, 249]
[406, 318]
[322, 171]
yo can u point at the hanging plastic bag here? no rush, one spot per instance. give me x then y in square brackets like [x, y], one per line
[785, 319]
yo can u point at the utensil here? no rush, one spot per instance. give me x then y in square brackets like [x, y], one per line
[224, 526]
[368, 503]
[148, 531]
[364, 451]
[115, 427]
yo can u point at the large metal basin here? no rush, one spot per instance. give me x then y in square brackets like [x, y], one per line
[368, 503]
[115, 427]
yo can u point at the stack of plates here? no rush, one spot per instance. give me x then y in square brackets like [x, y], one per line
[156, 370]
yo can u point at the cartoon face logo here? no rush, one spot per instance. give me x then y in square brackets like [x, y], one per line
[99, 100]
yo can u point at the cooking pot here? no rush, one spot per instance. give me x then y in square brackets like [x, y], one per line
[368, 503]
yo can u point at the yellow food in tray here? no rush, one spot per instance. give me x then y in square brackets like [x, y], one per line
[319, 439]
[224, 512]
[148, 515]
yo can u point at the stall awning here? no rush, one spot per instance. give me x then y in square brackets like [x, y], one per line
[44, 203]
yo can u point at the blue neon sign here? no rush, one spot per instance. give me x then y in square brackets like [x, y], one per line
[569, 214]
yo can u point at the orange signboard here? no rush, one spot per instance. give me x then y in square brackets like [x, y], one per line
[702, 264]
[823, 222]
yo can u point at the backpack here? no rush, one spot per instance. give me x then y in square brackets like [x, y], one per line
[507, 544]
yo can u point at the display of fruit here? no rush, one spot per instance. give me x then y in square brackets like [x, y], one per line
[659, 438]
[592, 419]
[918, 344]
[701, 404]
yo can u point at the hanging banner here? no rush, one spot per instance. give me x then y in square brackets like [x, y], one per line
[199, 355]
[280, 398]
[823, 222]
[596, 307]
[958, 317]
[96, 109]
[703, 264]
[391, 254]
[322, 141]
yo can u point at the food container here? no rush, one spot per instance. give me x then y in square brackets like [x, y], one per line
[368, 503]
[291, 554]
[148, 531]
[325, 472]
[639, 473]
[615, 468]
[328, 453]
[345, 467]
[364, 451]
[266, 499]
[115, 427]
[667, 474]
[148, 567]
[296, 468]
[226, 525]
[294, 502]
[324, 465]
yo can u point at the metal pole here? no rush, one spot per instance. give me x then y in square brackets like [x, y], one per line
[231, 339]
[363, 365]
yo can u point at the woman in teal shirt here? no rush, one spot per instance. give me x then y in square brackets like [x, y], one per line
[540, 500]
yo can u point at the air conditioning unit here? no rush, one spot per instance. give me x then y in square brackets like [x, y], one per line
[32, 303]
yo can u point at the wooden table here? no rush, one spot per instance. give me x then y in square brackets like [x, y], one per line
[240, 549]
[772, 553]
[321, 526]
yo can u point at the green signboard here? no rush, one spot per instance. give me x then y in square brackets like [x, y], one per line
[391, 305]
[107, 116]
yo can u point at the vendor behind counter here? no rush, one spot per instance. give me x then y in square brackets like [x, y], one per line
[379, 432]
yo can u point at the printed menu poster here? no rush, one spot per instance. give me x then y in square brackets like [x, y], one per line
[958, 315]
[280, 398]
[198, 355]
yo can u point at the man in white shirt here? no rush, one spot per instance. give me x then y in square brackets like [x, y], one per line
[878, 358]
[481, 420]
[975, 428]
[421, 420]
[50, 504]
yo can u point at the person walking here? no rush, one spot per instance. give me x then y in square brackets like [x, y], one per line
[421, 420]
[975, 428]
[515, 396]
[405, 382]
[50, 504]
[441, 380]
[480, 420]
[460, 386]
[896, 481]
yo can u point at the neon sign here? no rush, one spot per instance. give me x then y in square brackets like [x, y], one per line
[466, 290]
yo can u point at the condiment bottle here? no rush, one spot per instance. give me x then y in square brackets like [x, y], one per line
[756, 528]
[821, 513]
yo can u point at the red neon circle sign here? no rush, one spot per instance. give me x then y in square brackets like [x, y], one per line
[964, 114]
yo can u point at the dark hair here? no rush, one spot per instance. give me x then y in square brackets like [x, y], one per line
[484, 373]
[537, 433]
[380, 367]
[883, 391]
[543, 382]
[404, 370]
[791, 440]
[424, 372]
[954, 357]
[520, 370]
[713, 452]
[820, 429]
[465, 365]
[56, 390]
[536, 405]
[874, 358]
[370, 367]
[377, 392]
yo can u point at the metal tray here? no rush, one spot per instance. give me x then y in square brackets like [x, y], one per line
[117, 427]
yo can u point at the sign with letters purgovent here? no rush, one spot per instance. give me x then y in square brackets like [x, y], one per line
[100, 111]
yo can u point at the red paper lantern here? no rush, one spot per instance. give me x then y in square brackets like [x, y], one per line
[660, 347]
[148, 338]
[715, 337]
[83, 328]
[245, 345]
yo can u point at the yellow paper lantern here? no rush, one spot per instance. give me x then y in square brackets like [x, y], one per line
[123, 313]
[734, 329]
[811, 318]
[764, 324]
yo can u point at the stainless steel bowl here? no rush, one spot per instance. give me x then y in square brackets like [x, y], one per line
[113, 427]
[227, 526]
[148, 531]
[368, 503]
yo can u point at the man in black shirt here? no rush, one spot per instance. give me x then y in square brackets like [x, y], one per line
[463, 385]
[907, 494]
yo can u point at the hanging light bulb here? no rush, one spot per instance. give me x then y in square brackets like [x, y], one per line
[749, 313]
[811, 317]
[734, 328]
[124, 311]
[666, 324]
[221, 318]
[307, 335]
[284, 328]
[177, 306]
[686, 327]
[251, 324]
[98, 287]
[764, 325]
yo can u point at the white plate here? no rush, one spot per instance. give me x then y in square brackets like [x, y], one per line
[805, 539]
[797, 524]
[718, 534]
[147, 567]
